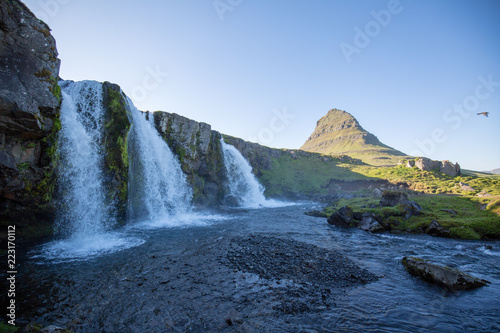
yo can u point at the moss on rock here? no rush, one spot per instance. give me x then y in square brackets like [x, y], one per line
[117, 126]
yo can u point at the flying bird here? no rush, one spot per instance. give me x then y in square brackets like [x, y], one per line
[483, 113]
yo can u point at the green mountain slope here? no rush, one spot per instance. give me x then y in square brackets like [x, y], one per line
[339, 133]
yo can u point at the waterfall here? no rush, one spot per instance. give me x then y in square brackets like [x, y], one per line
[241, 182]
[158, 188]
[83, 209]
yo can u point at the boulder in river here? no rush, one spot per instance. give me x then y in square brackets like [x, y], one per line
[435, 229]
[342, 218]
[369, 223]
[441, 275]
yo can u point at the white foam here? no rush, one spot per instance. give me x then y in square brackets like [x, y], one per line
[180, 220]
[86, 247]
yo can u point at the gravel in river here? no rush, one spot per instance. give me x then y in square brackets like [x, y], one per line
[251, 283]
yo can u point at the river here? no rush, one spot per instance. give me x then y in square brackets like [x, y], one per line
[197, 277]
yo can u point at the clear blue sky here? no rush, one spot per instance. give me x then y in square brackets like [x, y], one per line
[416, 78]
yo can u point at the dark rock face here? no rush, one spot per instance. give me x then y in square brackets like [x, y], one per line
[29, 115]
[116, 118]
[441, 275]
[435, 229]
[199, 150]
[370, 223]
[411, 208]
[28, 73]
[342, 218]
[393, 198]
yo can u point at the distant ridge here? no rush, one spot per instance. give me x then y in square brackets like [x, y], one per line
[495, 171]
[339, 133]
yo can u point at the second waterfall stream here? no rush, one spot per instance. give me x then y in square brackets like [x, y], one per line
[242, 184]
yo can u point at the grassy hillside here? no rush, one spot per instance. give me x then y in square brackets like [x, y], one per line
[306, 177]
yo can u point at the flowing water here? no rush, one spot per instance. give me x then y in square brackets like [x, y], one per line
[242, 183]
[180, 280]
[85, 214]
[223, 273]
[158, 189]
[81, 158]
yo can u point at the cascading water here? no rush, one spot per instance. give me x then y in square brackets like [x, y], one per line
[242, 183]
[85, 214]
[158, 189]
[83, 208]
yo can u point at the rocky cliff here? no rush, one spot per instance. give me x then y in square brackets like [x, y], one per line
[339, 133]
[199, 151]
[29, 110]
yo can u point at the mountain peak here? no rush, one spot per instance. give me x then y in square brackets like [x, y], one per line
[340, 133]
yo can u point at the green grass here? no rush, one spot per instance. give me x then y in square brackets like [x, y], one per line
[432, 182]
[304, 175]
[469, 222]
[5, 328]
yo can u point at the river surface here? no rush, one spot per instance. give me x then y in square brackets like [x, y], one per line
[198, 278]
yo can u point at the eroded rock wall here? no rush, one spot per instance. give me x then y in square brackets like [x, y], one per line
[29, 114]
[199, 151]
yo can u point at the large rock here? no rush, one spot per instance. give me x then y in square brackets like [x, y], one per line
[342, 218]
[444, 276]
[435, 229]
[29, 116]
[370, 223]
[449, 168]
[411, 208]
[426, 164]
[393, 198]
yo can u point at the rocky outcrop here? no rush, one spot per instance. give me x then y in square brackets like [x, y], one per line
[393, 198]
[199, 150]
[29, 114]
[342, 218]
[426, 164]
[444, 276]
[28, 73]
[396, 198]
[370, 223]
[435, 229]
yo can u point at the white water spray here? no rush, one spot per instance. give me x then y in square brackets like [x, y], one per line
[242, 183]
[85, 214]
[83, 209]
[158, 189]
